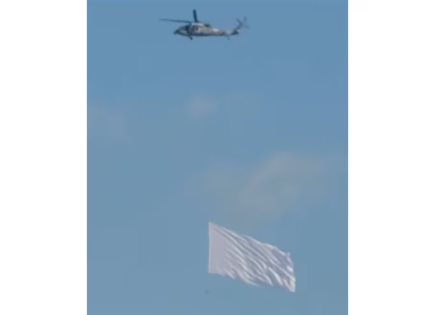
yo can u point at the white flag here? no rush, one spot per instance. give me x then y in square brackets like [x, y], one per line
[246, 259]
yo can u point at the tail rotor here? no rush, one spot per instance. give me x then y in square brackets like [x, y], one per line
[241, 24]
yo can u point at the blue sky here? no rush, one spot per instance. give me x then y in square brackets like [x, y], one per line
[250, 133]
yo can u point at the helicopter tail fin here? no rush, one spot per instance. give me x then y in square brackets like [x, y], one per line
[241, 24]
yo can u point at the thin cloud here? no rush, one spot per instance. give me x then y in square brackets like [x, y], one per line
[201, 107]
[107, 123]
[279, 184]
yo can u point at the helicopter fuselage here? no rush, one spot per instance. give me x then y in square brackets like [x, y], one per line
[199, 30]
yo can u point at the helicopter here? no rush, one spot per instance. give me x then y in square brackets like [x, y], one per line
[197, 28]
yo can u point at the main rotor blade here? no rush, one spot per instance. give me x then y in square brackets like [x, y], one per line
[195, 17]
[176, 21]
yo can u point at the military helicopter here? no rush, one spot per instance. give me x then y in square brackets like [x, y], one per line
[197, 28]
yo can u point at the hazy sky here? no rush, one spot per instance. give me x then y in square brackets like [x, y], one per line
[250, 133]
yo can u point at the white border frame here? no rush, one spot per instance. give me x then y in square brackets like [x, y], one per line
[43, 157]
[391, 157]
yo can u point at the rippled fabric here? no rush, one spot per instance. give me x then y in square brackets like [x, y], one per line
[243, 258]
